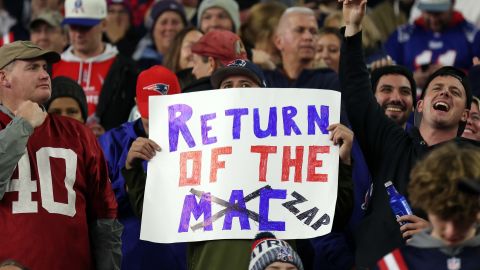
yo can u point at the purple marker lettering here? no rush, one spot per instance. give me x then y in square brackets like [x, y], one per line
[240, 211]
[177, 124]
[237, 123]
[265, 196]
[321, 120]
[190, 206]
[288, 123]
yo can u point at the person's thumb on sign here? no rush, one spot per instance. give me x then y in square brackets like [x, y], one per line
[343, 136]
[141, 149]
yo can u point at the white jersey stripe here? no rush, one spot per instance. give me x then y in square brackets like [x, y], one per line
[391, 262]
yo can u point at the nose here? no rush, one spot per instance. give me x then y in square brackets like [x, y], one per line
[470, 120]
[215, 21]
[307, 35]
[395, 96]
[445, 92]
[44, 74]
[450, 230]
[324, 54]
[170, 26]
[42, 34]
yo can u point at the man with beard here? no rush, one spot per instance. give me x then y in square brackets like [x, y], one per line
[394, 89]
[389, 150]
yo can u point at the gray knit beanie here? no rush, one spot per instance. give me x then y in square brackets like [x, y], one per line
[230, 6]
[266, 249]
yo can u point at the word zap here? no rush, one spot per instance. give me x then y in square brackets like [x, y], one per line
[240, 161]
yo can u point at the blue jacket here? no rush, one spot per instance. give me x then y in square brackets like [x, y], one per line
[137, 254]
[322, 78]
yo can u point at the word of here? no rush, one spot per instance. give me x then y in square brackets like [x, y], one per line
[264, 151]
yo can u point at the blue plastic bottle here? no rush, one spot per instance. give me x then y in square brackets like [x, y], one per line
[398, 203]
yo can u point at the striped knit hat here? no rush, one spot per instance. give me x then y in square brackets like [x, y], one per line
[266, 249]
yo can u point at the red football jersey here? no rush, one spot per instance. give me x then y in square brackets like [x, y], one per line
[59, 186]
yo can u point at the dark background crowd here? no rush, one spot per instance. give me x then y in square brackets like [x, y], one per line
[417, 60]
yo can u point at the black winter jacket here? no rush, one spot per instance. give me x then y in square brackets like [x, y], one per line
[118, 93]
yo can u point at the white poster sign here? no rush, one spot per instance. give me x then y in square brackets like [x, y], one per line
[235, 162]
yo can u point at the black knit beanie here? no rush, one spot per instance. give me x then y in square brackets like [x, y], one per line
[66, 87]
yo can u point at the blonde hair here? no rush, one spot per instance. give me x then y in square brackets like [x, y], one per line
[262, 22]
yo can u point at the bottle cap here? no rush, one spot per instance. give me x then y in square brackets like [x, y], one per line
[388, 183]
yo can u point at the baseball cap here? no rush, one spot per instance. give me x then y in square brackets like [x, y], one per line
[266, 249]
[434, 5]
[85, 12]
[238, 67]
[155, 81]
[24, 50]
[222, 45]
[50, 17]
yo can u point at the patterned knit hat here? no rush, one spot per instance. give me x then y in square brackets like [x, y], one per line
[266, 249]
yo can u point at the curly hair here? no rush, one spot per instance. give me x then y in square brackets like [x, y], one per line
[434, 182]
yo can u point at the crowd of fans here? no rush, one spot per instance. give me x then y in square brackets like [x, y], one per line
[76, 75]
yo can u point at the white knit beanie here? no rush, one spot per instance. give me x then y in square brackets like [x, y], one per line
[230, 6]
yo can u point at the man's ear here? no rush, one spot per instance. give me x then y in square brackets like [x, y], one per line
[4, 80]
[103, 25]
[420, 105]
[278, 41]
[212, 65]
[465, 115]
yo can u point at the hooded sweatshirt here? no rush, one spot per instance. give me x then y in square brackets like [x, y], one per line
[426, 252]
[90, 73]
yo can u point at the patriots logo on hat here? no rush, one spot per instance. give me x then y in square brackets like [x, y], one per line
[237, 63]
[159, 87]
[78, 6]
[284, 255]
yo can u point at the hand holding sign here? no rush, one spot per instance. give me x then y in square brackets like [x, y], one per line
[141, 149]
[343, 136]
